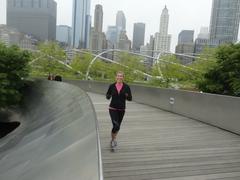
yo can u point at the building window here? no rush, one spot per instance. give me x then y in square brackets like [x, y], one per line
[18, 4]
[35, 3]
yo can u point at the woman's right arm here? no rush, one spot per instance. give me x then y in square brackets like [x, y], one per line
[109, 94]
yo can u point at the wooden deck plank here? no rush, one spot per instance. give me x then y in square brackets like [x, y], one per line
[155, 144]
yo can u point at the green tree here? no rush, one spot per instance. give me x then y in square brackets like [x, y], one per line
[52, 49]
[13, 70]
[224, 77]
[170, 72]
[53, 53]
[51, 60]
[105, 70]
[48, 56]
[206, 61]
[81, 62]
[131, 66]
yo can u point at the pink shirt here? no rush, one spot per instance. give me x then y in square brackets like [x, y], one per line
[119, 87]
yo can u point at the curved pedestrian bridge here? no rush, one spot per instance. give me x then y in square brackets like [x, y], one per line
[58, 136]
[156, 144]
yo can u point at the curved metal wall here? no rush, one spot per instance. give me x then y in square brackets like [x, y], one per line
[58, 137]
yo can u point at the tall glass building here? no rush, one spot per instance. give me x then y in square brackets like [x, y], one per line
[81, 24]
[121, 21]
[185, 37]
[224, 21]
[138, 36]
[63, 34]
[36, 18]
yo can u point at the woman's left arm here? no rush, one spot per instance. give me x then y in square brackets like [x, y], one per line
[128, 94]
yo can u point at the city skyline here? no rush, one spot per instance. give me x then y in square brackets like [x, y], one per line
[184, 15]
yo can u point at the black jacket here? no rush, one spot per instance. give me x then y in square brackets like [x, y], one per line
[118, 101]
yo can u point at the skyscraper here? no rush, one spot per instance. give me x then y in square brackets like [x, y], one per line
[151, 46]
[98, 18]
[224, 21]
[98, 38]
[151, 50]
[204, 33]
[112, 35]
[202, 41]
[35, 18]
[185, 46]
[10, 36]
[163, 39]
[138, 36]
[64, 34]
[124, 43]
[164, 21]
[185, 37]
[121, 21]
[120, 24]
[81, 23]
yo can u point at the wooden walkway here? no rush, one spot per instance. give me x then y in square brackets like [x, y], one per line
[155, 144]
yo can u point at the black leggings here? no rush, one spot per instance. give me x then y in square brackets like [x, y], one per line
[117, 117]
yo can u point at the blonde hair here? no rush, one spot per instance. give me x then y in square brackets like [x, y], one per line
[120, 72]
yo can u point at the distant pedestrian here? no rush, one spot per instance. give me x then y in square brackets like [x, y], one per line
[58, 78]
[118, 92]
[51, 77]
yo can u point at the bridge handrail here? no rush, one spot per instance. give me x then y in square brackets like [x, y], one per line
[217, 110]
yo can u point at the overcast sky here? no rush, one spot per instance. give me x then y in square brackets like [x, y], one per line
[184, 14]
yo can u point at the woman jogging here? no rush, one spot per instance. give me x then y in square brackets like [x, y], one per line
[119, 92]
